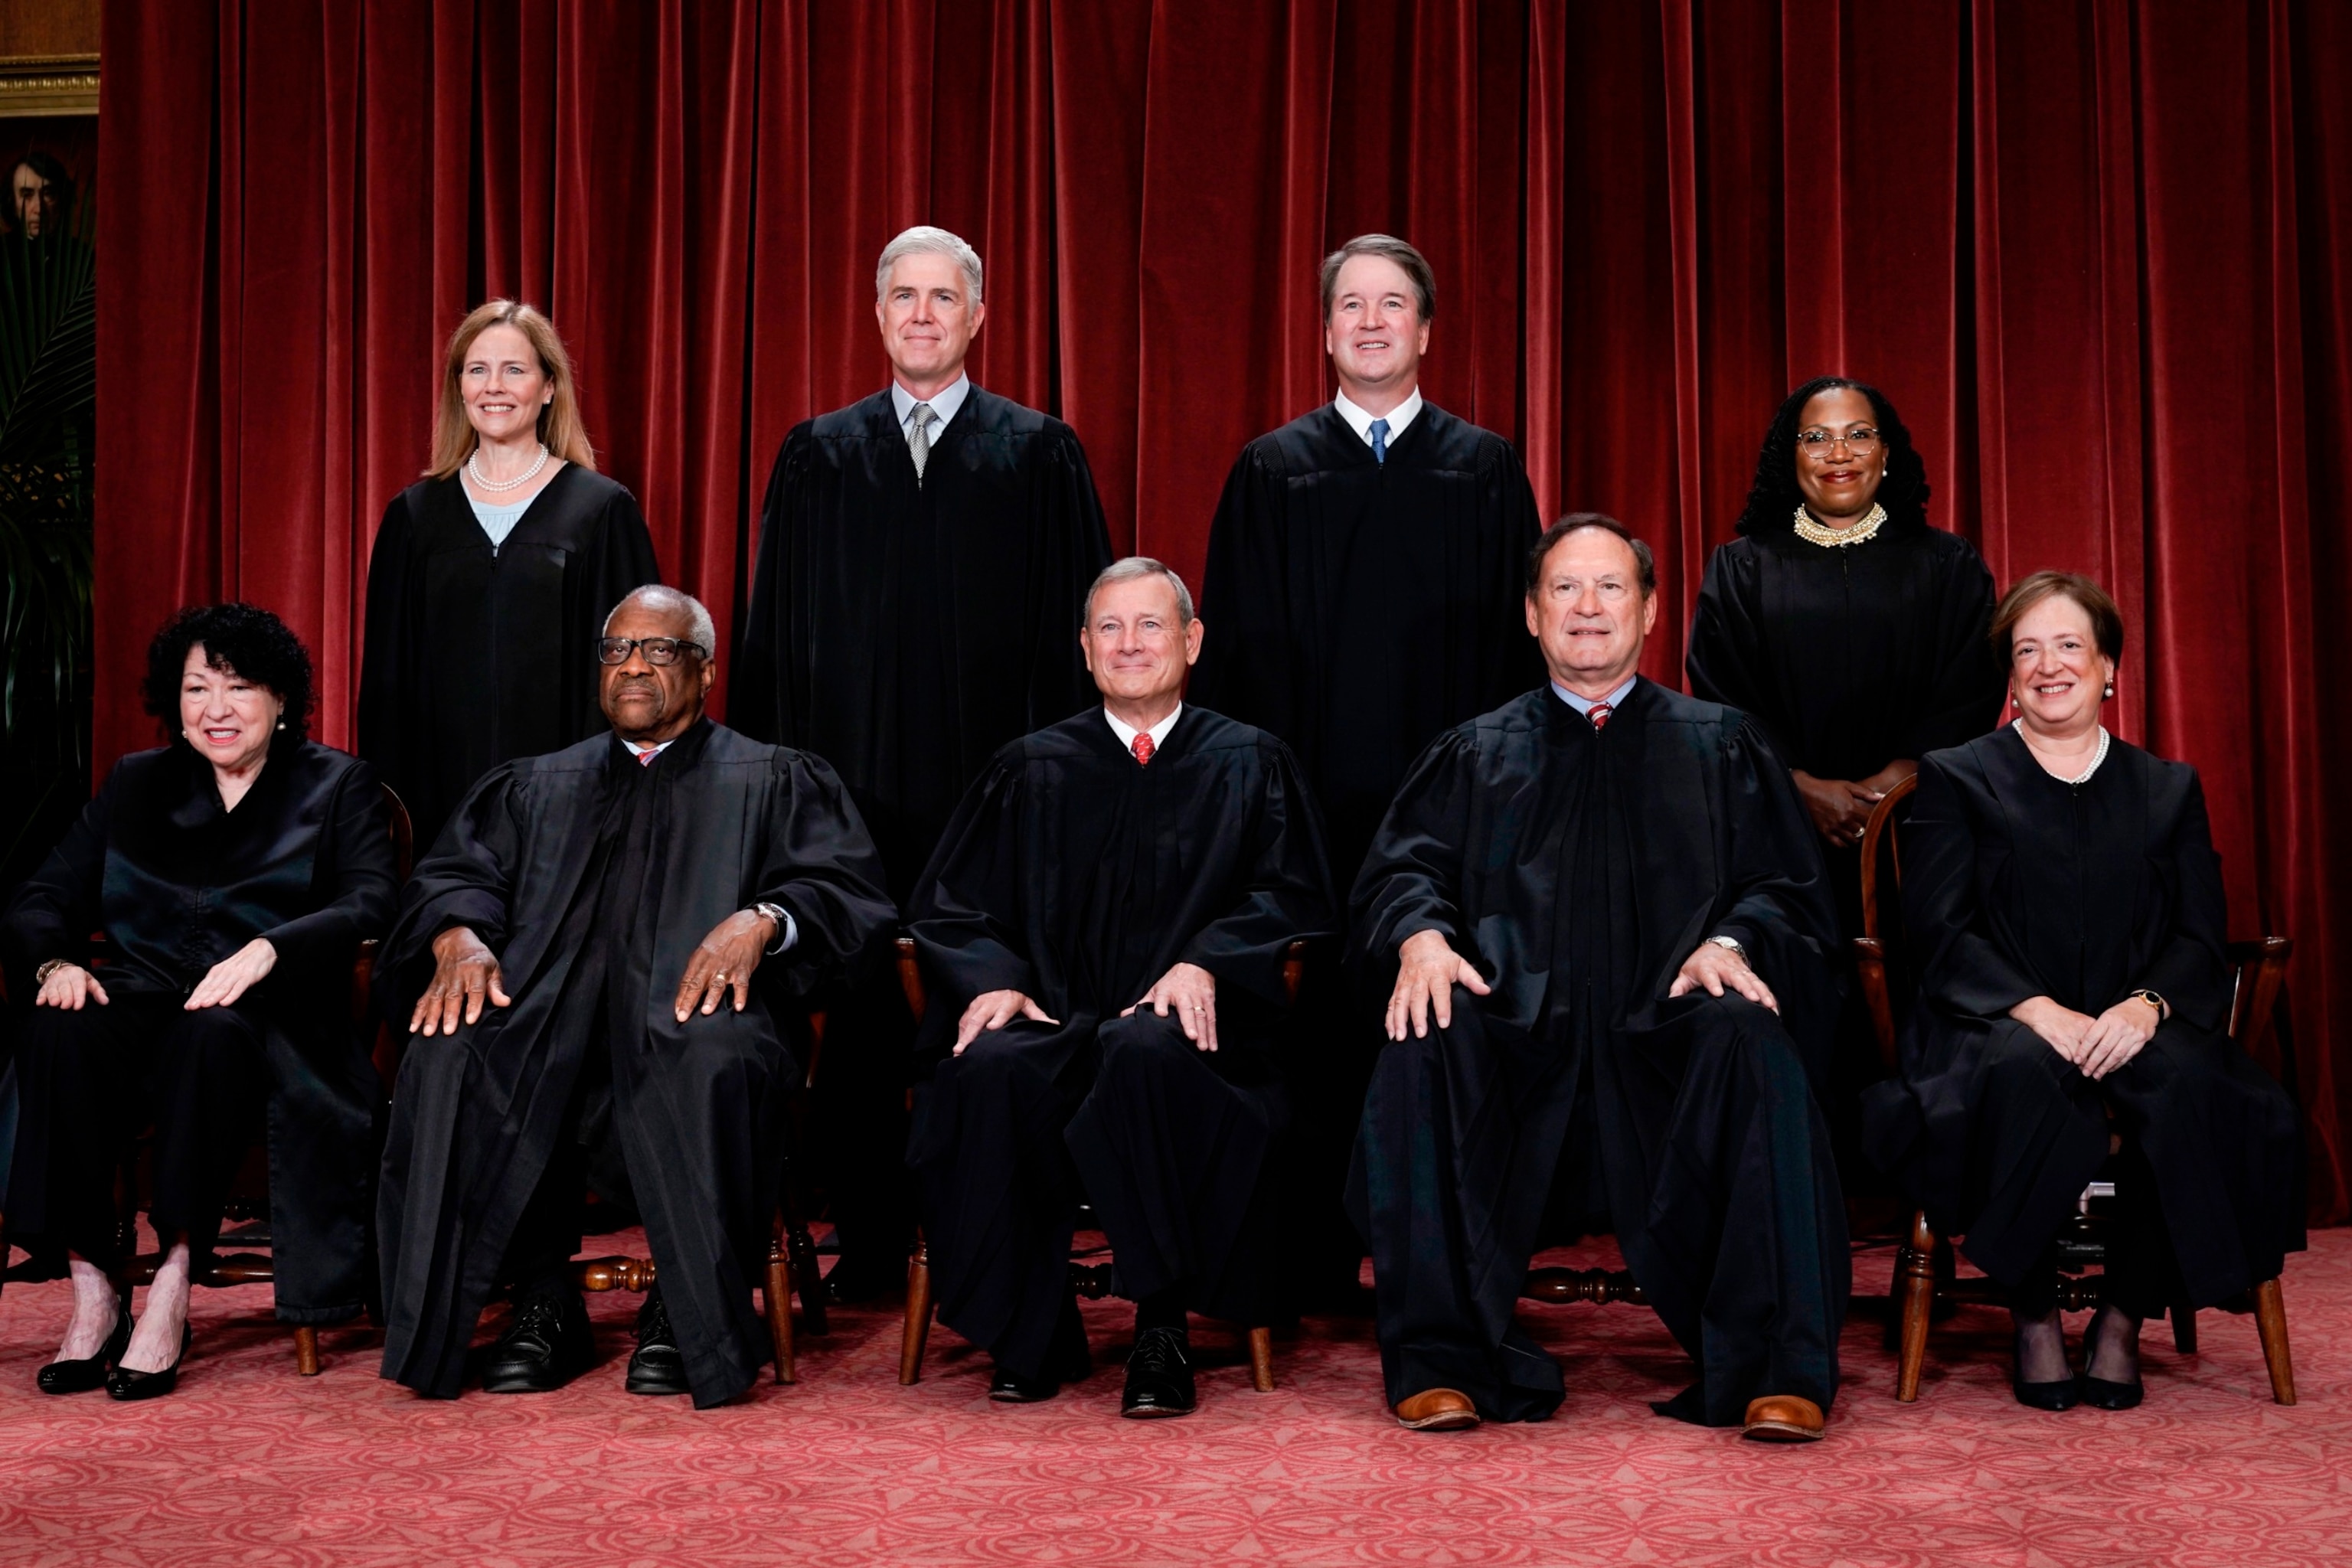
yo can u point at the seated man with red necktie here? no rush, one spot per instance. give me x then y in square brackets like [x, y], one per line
[1103, 929]
[1601, 910]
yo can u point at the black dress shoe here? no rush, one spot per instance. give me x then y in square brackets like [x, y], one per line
[1160, 1375]
[2098, 1393]
[2058, 1393]
[548, 1344]
[89, 1372]
[1006, 1388]
[124, 1383]
[657, 1367]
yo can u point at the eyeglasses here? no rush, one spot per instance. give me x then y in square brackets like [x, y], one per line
[1862, 441]
[658, 650]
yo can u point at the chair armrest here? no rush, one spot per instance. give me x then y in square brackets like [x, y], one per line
[1869, 962]
[910, 977]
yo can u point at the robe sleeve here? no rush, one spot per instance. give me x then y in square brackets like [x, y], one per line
[1070, 547]
[758, 693]
[1780, 908]
[1962, 967]
[1289, 896]
[1964, 699]
[2190, 970]
[1248, 669]
[1726, 649]
[969, 912]
[363, 883]
[57, 907]
[1412, 876]
[466, 880]
[1509, 661]
[821, 865]
[383, 736]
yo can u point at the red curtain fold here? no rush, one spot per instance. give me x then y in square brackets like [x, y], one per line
[2092, 247]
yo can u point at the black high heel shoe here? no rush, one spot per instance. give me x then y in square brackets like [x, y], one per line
[2059, 1394]
[89, 1372]
[2097, 1392]
[127, 1382]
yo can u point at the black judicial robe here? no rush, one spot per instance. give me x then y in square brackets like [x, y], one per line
[1848, 658]
[905, 630]
[1578, 869]
[476, 1114]
[2015, 885]
[1074, 875]
[476, 655]
[1357, 608]
[178, 884]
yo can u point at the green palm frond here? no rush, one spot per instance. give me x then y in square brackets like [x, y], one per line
[48, 384]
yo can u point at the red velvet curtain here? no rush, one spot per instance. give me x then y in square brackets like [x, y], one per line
[2092, 247]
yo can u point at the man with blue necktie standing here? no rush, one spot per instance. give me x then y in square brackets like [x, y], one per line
[1364, 574]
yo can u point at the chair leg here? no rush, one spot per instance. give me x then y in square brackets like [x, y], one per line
[2270, 1322]
[919, 1315]
[2184, 1328]
[1260, 1344]
[1915, 1285]
[306, 1350]
[779, 1302]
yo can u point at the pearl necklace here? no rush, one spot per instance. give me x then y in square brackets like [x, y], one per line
[2079, 780]
[1812, 532]
[483, 481]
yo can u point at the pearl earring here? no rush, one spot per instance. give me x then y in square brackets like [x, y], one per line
[2110, 691]
[281, 723]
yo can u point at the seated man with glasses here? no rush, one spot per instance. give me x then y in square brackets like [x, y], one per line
[586, 955]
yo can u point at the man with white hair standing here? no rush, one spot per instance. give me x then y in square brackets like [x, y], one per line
[923, 554]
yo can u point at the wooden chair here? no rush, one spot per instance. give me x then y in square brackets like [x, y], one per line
[248, 1197]
[1092, 1281]
[1925, 1273]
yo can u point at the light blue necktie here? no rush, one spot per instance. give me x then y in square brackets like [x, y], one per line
[1380, 440]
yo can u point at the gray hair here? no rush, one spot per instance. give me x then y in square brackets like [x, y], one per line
[924, 240]
[701, 631]
[1128, 571]
[1390, 248]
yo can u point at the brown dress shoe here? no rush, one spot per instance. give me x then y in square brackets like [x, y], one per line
[1783, 1418]
[1440, 1410]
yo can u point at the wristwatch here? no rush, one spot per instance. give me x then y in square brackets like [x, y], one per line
[1730, 945]
[41, 975]
[775, 912]
[2154, 1001]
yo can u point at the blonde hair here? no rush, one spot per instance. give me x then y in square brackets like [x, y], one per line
[454, 437]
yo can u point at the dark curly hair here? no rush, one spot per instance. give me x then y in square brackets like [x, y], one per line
[1773, 497]
[245, 638]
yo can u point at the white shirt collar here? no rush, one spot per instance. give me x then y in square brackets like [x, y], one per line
[1361, 422]
[1127, 732]
[943, 406]
[637, 748]
[1585, 705]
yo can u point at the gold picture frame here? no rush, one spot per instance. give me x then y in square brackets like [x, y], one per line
[47, 84]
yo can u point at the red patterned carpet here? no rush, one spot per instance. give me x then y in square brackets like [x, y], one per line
[247, 1464]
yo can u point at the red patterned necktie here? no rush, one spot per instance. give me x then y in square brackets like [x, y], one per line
[1598, 713]
[646, 758]
[1143, 748]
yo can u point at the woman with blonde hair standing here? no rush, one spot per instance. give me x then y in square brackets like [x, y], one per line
[492, 576]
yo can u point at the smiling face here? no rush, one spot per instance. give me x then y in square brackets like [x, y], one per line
[504, 385]
[1837, 483]
[929, 319]
[2057, 675]
[227, 718]
[1136, 650]
[1588, 611]
[646, 702]
[1375, 335]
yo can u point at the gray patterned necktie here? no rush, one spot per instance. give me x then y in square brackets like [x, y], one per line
[919, 441]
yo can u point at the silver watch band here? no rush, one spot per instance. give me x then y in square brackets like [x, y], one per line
[783, 919]
[1730, 945]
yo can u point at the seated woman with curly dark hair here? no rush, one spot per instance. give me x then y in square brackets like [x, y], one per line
[233, 872]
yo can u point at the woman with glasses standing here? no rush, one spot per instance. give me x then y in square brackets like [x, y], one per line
[1852, 631]
[492, 576]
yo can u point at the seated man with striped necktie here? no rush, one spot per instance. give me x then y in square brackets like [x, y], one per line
[1103, 930]
[1603, 912]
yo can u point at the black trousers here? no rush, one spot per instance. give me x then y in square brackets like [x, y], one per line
[90, 1080]
[1172, 1144]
